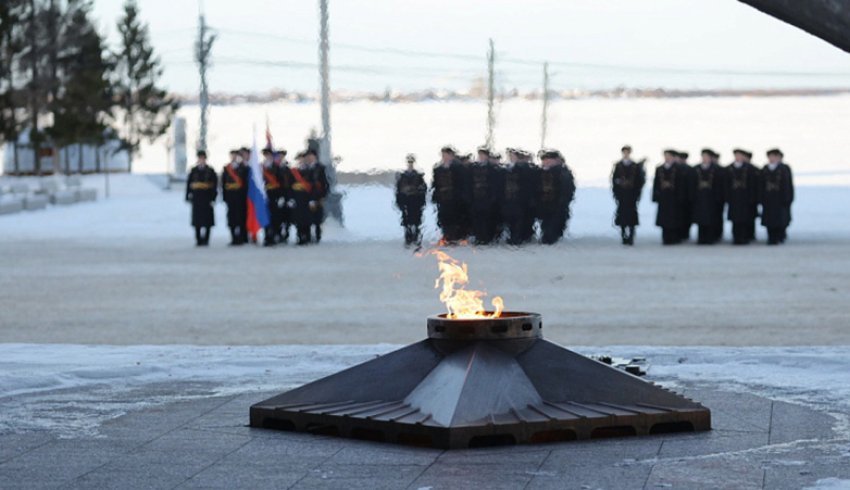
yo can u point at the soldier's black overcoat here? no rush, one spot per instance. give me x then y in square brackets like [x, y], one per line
[776, 193]
[482, 195]
[234, 189]
[670, 191]
[742, 193]
[556, 193]
[448, 186]
[202, 190]
[709, 195]
[519, 200]
[627, 183]
[321, 188]
[410, 191]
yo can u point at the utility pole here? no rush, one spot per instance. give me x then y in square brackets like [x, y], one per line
[491, 115]
[545, 117]
[334, 200]
[203, 47]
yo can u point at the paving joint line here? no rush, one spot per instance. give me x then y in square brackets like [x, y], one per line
[538, 469]
[205, 468]
[143, 444]
[307, 473]
[426, 468]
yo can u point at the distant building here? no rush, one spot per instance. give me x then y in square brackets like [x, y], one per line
[71, 159]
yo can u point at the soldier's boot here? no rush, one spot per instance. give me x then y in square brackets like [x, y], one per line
[774, 236]
[284, 237]
[199, 239]
[318, 233]
[268, 236]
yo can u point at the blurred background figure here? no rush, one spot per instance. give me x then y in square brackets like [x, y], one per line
[776, 195]
[201, 191]
[627, 181]
[410, 191]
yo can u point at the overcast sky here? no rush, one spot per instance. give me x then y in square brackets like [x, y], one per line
[644, 43]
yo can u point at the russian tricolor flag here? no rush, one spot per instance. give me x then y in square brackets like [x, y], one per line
[258, 211]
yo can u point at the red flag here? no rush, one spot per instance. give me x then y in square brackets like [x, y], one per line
[268, 135]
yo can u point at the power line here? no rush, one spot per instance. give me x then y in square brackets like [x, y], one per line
[537, 63]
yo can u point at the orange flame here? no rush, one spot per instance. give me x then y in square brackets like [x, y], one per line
[460, 302]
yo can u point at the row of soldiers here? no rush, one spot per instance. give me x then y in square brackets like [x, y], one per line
[700, 195]
[293, 196]
[487, 199]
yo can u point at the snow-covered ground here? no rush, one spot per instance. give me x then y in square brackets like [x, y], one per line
[124, 270]
[590, 132]
[141, 208]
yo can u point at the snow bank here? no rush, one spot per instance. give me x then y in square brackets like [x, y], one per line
[140, 207]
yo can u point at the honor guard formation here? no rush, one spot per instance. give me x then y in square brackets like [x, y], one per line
[488, 201]
[484, 200]
[293, 197]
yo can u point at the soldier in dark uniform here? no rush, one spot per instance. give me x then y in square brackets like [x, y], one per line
[742, 197]
[275, 200]
[708, 190]
[321, 185]
[627, 181]
[234, 189]
[410, 191]
[301, 196]
[748, 158]
[447, 195]
[776, 193]
[201, 191]
[286, 219]
[496, 161]
[670, 191]
[464, 210]
[689, 175]
[556, 192]
[517, 196]
[482, 198]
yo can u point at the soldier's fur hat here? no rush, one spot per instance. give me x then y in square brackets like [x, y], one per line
[484, 149]
[551, 154]
[411, 158]
[201, 153]
[671, 151]
[775, 151]
[626, 147]
[449, 149]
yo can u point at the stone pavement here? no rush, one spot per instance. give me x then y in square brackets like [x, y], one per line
[204, 443]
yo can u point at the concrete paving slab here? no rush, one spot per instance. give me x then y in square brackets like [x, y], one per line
[13, 445]
[592, 477]
[791, 422]
[713, 442]
[735, 411]
[728, 472]
[188, 435]
[493, 476]
[602, 452]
